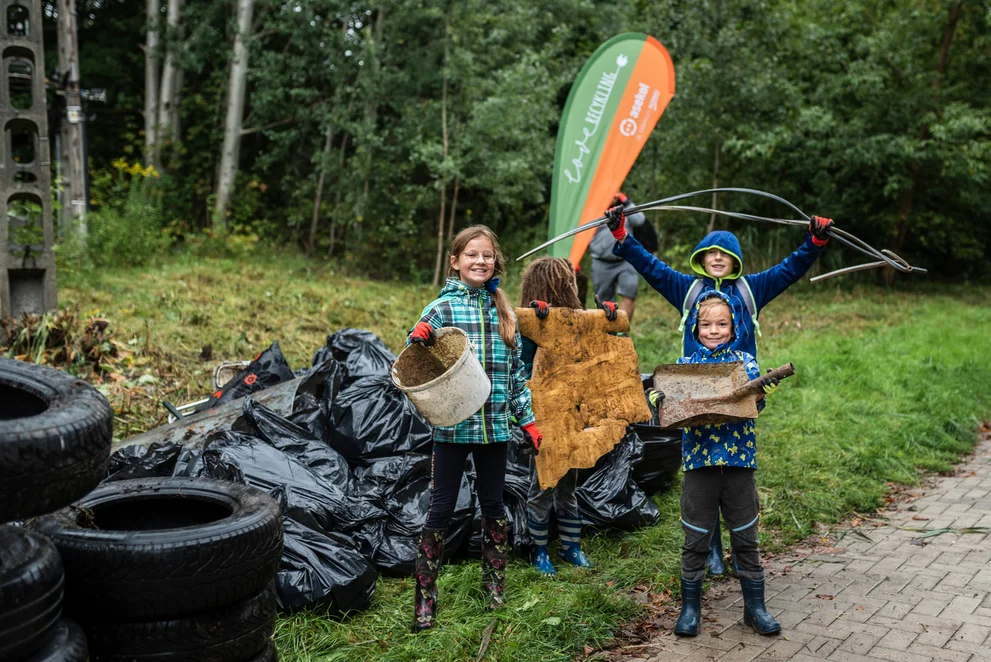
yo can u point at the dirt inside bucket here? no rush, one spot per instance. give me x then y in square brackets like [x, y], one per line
[420, 365]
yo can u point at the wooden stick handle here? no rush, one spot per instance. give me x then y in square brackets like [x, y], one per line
[757, 385]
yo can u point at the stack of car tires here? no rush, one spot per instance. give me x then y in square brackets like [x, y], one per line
[171, 569]
[31, 586]
[153, 570]
[55, 434]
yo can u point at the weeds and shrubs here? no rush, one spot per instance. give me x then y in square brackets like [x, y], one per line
[60, 340]
[126, 229]
[125, 226]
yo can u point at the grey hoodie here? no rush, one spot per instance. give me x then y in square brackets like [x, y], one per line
[602, 241]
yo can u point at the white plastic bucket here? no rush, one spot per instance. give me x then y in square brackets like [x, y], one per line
[454, 395]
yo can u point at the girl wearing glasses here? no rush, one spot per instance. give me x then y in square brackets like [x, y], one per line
[472, 301]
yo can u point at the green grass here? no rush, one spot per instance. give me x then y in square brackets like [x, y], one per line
[888, 383]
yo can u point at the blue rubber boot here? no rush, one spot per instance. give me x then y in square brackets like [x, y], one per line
[542, 561]
[715, 561]
[569, 530]
[691, 608]
[572, 553]
[755, 614]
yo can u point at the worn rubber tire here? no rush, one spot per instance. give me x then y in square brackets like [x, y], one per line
[165, 548]
[65, 643]
[31, 584]
[236, 633]
[270, 654]
[55, 434]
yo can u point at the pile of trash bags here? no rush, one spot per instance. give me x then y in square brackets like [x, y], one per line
[350, 466]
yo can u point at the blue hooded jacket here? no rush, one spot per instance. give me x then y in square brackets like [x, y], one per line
[675, 286]
[724, 444]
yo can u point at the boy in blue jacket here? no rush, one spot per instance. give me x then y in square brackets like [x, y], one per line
[718, 265]
[719, 462]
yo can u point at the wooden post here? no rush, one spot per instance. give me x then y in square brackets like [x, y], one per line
[73, 163]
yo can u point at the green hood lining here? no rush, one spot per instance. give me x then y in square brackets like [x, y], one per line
[700, 270]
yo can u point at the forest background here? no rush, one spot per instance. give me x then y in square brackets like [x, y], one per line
[370, 126]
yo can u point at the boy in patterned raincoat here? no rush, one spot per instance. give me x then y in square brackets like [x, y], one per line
[719, 462]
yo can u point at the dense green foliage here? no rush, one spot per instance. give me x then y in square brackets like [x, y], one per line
[901, 389]
[876, 113]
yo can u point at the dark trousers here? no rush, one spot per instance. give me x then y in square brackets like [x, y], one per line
[703, 493]
[448, 465]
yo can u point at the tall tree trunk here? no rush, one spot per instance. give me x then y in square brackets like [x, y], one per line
[311, 244]
[443, 186]
[174, 125]
[337, 198]
[454, 208]
[907, 197]
[371, 105]
[169, 70]
[715, 184]
[74, 161]
[235, 115]
[153, 9]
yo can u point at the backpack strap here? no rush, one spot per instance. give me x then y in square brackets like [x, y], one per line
[686, 306]
[747, 295]
[690, 296]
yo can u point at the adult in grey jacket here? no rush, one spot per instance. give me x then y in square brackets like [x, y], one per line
[614, 279]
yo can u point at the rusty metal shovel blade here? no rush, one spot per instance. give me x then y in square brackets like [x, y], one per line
[710, 393]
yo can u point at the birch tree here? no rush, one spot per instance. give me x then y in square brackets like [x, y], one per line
[235, 114]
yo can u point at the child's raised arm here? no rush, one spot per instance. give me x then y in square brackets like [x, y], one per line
[672, 285]
[768, 284]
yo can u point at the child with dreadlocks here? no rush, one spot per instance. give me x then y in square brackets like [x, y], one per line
[550, 282]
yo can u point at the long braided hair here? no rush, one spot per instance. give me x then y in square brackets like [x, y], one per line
[507, 318]
[550, 279]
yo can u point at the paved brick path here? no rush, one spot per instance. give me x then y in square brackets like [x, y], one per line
[886, 594]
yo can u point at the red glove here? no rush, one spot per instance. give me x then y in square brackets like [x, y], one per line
[819, 229]
[423, 333]
[533, 434]
[617, 222]
[610, 308]
[542, 307]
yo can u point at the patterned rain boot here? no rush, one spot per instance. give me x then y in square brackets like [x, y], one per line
[715, 561]
[541, 559]
[569, 530]
[495, 549]
[428, 558]
[691, 608]
[755, 614]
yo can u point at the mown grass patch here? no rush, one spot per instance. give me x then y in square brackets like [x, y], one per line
[888, 383]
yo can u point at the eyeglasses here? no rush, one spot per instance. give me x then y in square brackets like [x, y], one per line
[472, 256]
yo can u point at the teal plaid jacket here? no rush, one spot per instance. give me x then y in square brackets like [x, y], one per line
[473, 311]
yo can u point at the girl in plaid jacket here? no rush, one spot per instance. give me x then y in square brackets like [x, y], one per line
[472, 301]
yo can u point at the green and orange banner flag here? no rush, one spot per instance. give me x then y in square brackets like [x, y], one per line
[613, 106]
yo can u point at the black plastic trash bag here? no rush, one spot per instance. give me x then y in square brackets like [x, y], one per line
[322, 569]
[156, 460]
[609, 498]
[661, 458]
[404, 482]
[244, 458]
[362, 353]
[371, 418]
[267, 369]
[296, 442]
[314, 396]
